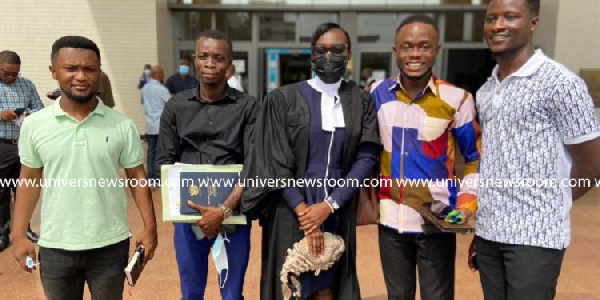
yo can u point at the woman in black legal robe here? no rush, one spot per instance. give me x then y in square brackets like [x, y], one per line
[320, 129]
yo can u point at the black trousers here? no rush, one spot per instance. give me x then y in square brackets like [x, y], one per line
[432, 254]
[10, 166]
[64, 273]
[516, 271]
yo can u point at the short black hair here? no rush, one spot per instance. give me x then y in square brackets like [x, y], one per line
[425, 19]
[10, 57]
[73, 41]
[534, 7]
[326, 27]
[216, 35]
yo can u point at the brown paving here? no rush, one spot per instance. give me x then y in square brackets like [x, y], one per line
[579, 278]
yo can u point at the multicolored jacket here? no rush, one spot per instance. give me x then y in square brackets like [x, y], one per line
[417, 162]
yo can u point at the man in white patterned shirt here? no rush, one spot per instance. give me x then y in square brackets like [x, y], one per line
[539, 124]
[18, 96]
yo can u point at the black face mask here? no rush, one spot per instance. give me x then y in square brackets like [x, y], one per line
[329, 68]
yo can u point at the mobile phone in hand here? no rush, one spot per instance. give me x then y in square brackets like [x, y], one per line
[135, 266]
[140, 258]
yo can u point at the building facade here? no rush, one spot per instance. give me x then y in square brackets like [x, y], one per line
[271, 38]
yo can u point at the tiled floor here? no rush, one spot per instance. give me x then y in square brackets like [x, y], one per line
[579, 278]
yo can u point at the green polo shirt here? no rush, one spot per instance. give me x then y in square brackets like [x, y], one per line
[84, 201]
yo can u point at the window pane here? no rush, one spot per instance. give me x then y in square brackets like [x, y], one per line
[208, 1]
[308, 22]
[190, 23]
[478, 20]
[238, 25]
[374, 66]
[240, 60]
[464, 26]
[376, 27]
[276, 26]
[331, 2]
[454, 26]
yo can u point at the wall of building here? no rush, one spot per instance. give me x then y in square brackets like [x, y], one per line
[545, 34]
[578, 36]
[164, 37]
[125, 31]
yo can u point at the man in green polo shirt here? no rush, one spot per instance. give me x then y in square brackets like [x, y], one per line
[75, 148]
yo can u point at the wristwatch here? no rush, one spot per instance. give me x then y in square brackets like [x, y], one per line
[227, 212]
[332, 203]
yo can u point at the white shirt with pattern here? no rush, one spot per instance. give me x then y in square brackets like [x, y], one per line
[526, 120]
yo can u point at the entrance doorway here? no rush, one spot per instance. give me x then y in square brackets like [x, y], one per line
[469, 68]
[294, 67]
[285, 66]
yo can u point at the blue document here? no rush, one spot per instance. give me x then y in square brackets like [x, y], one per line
[206, 188]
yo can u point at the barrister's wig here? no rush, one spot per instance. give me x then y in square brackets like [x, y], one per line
[299, 260]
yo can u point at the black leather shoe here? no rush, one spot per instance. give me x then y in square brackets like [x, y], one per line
[4, 242]
[32, 236]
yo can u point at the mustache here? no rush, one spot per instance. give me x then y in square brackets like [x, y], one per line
[80, 99]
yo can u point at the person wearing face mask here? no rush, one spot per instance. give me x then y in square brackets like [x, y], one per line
[421, 118]
[145, 75]
[182, 80]
[144, 79]
[321, 129]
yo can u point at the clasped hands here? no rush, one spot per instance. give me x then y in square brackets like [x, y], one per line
[311, 218]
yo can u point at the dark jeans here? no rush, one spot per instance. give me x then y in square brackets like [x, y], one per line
[192, 260]
[10, 167]
[64, 273]
[432, 254]
[151, 139]
[516, 271]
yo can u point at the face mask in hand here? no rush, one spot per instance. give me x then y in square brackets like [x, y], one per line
[329, 68]
[219, 255]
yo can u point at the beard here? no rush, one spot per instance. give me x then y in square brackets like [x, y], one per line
[79, 99]
[501, 54]
[508, 51]
[426, 74]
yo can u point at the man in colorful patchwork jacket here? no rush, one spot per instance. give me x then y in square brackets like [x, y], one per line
[421, 119]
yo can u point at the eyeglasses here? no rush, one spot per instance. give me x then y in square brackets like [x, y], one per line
[9, 74]
[423, 48]
[336, 50]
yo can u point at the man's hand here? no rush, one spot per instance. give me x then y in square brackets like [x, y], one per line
[316, 243]
[149, 239]
[311, 218]
[22, 248]
[471, 261]
[212, 217]
[8, 115]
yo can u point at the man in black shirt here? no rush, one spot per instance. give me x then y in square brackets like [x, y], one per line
[210, 124]
[182, 80]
